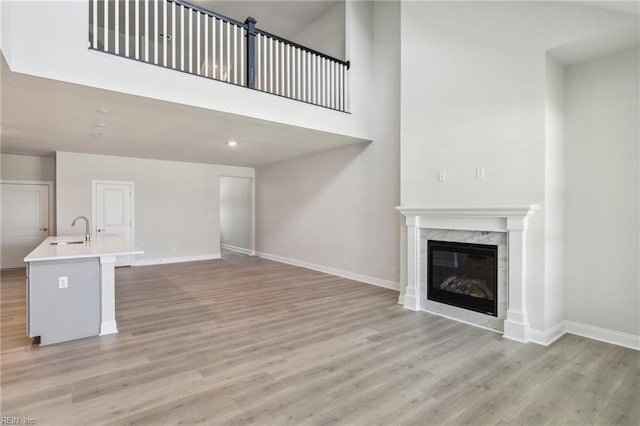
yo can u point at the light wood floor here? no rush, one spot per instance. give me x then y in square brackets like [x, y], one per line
[248, 341]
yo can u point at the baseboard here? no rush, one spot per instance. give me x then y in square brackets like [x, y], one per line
[333, 271]
[618, 338]
[547, 337]
[238, 249]
[167, 260]
[108, 327]
[604, 335]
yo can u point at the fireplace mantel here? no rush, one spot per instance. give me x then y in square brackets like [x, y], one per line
[473, 211]
[480, 218]
[511, 219]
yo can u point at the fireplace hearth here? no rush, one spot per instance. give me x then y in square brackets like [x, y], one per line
[464, 275]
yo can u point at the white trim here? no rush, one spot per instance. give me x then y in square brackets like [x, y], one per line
[333, 271]
[26, 182]
[547, 337]
[511, 219]
[604, 335]
[132, 207]
[238, 249]
[108, 327]
[49, 184]
[183, 259]
[228, 173]
[613, 337]
[522, 210]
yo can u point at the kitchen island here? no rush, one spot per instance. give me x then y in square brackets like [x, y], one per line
[71, 287]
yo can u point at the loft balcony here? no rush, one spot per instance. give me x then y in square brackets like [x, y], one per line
[183, 37]
[180, 91]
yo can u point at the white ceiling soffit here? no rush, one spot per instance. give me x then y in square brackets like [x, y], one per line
[41, 116]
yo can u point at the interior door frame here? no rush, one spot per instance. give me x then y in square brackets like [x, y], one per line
[252, 250]
[49, 184]
[94, 203]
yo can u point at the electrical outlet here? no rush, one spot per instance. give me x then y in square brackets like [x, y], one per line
[63, 282]
[480, 173]
[442, 175]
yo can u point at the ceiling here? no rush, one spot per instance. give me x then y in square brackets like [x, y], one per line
[41, 116]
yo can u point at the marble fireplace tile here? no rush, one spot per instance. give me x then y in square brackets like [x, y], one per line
[477, 237]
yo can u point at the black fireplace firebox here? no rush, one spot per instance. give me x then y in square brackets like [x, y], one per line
[463, 275]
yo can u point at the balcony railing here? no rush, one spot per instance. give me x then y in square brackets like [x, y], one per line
[180, 36]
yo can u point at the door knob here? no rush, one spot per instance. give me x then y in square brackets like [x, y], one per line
[101, 230]
[44, 229]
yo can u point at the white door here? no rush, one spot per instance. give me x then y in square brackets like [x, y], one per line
[25, 221]
[113, 212]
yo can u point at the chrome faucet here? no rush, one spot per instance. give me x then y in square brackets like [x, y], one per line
[87, 235]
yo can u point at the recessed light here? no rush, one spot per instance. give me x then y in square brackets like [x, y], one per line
[96, 135]
[104, 110]
[100, 124]
[232, 143]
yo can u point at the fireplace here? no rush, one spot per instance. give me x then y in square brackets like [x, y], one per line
[463, 275]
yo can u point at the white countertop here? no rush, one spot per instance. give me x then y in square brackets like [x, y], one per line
[102, 245]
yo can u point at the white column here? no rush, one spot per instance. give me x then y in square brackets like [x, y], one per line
[403, 265]
[108, 295]
[411, 299]
[516, 325]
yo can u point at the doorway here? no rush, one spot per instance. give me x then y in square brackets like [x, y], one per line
[236, 214]
[26, 219]
[113, 211]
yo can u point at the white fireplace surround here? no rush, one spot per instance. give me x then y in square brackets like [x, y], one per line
[511, 219]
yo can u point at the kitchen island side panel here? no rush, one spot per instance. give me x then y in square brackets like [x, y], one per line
[60, 314]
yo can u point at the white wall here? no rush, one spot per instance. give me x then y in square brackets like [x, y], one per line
[473, 95]
[35, 43]
[27, 167]
[554, 188]
[5, 29]
[236, 212]
[602, 214]
[320, 36]
[335, 210]
[176, 204]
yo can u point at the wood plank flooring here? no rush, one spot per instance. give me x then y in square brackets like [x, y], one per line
[244, 340]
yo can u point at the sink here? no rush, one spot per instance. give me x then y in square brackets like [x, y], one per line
[61, 243]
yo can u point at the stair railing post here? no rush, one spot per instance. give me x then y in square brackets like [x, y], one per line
[251, 47]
